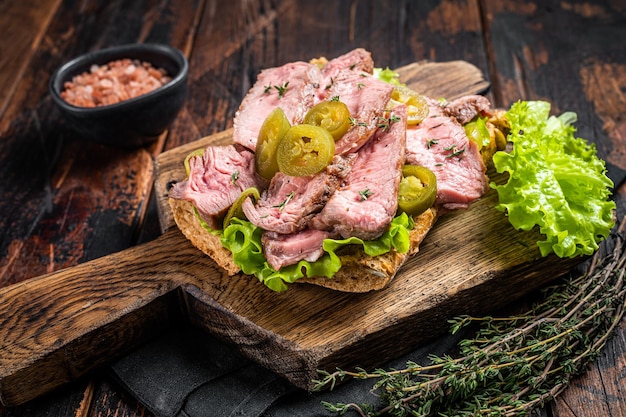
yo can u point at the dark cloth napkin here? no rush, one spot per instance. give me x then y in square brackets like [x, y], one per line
[188, 373]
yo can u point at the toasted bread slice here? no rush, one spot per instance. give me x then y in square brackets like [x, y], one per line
[188, 223]
[362, 273]
[359, 272]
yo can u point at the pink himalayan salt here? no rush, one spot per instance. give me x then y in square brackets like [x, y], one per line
[113, 82]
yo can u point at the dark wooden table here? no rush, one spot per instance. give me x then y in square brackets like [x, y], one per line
[64, 201]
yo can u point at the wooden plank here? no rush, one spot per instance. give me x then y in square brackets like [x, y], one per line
[79, 200]
[23, 25]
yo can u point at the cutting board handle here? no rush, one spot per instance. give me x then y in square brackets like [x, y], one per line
[57, 327]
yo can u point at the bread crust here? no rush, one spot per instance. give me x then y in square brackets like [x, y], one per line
[359, 272]
[188, 223]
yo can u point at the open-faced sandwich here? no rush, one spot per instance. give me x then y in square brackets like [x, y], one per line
[336, 175]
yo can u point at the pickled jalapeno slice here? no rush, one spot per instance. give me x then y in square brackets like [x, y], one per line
[305, 150]
[417, 191]
[417, 106]
[272, 130]
[235, 210]
[197, 152]
[333, 116]
[478, 132]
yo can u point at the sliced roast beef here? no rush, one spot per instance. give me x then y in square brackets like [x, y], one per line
[283, 250]
[357, 59]
[365, 205]
[440, 144]
[216, 179]
[292, 87]
[366, 98]
[464, 109]
[435, 107]
[290, 202]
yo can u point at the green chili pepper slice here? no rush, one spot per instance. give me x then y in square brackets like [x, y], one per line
[272, 130]
[333, 116]
[197, 152]
[235, 210]
[417, 191]
[478, 132]
[305, 150]
[417, 106]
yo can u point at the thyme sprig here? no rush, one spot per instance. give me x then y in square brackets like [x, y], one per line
[510, 365]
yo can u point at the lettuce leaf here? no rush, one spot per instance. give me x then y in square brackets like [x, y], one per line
[387, 75]
[556, 182]
[243, 239]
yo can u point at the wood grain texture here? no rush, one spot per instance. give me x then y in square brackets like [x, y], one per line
[23, 26]
[65, 201]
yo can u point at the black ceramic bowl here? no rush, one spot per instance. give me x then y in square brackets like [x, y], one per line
[133, 122]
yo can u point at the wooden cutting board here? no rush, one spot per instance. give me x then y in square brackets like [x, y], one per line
[57, 327]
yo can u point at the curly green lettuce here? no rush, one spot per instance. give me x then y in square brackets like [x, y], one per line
[243, 239]
[556, 182]
[387, 75]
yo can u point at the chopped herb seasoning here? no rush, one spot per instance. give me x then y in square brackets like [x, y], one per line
[354, 122]
[386, 122]
[281, 89]
[360, 85]
[287, 199]
[334, 98]
[365, 194]
[455, 152]
[431, 142]
[234, 177]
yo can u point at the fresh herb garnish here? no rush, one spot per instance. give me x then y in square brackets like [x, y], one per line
[355, 122]
[360, 85]
[334, 98]
[287, 199]
[234, 177]
[431, 142]
[455, 151]
[282, 89]
[385, 123]
[365, 194]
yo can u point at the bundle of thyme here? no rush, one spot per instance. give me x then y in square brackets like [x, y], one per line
[511, 365]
